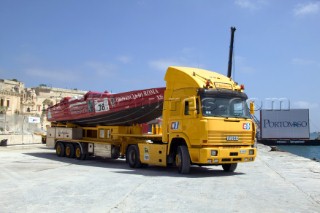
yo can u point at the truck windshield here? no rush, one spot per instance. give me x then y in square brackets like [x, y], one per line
[225, 107]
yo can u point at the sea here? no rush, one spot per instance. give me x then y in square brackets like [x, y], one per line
[311, 152]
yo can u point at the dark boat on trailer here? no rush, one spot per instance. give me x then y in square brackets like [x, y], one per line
[95, 108]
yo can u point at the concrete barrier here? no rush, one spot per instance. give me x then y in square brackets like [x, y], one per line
[21, 139]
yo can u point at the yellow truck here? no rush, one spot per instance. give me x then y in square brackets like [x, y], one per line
[205, 121]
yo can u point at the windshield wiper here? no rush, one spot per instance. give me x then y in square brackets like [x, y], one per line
[245, 117]
[229, 120]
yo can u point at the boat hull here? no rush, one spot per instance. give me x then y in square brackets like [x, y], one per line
[94, 108]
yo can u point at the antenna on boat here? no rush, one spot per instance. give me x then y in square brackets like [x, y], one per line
[233, 29]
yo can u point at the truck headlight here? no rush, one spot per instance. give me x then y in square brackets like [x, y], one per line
[251, 152]
[214, 152]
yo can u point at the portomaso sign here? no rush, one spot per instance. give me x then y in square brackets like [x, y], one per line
[285, 124]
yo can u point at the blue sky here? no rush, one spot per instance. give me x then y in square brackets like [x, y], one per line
[125, 45]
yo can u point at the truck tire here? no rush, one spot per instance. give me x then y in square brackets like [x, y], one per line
[115, 152]
[133, 157]
[60, 150]
[229, 167]
[80, 155]
[69, 150]
[183, 160]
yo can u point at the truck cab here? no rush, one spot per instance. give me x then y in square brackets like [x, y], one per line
[206, 120]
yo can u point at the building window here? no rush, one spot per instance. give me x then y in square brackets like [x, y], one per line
[8, 103]
[1, 102]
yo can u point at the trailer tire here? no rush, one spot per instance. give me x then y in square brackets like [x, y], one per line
[133, 157]
[69, 150]
[80, 154]
[231, 167]
[183, 160]
[60, 149]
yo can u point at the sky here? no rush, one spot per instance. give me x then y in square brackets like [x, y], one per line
[123, 45]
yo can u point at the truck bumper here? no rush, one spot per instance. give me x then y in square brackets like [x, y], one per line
[218, 155]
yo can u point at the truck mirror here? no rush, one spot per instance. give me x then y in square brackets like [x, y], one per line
[251, 107]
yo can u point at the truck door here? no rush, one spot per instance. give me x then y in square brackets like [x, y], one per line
[191, 121]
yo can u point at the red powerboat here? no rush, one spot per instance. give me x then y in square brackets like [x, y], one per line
[95, 108]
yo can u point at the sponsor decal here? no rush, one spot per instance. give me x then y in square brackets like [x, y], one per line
[246, 126]
[139, 95]
[90, 106]
[175, 125]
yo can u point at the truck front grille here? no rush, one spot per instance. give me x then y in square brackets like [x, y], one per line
[231, 160]
[218, 137]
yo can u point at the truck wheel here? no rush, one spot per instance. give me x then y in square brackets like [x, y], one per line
[69, 150]
[115, 152]
[60, 151]
[79, 154]
[229, 167]
[133, 157]
[183, 160]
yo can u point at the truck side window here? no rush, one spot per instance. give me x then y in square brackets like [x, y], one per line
[186, 107]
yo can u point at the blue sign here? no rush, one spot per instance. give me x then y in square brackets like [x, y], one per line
[175, 125]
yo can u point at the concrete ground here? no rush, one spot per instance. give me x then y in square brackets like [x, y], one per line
[34, 179]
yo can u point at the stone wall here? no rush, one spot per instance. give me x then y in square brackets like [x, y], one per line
[21, 139]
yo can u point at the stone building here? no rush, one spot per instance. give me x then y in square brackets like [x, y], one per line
[10, 96]
[17, 103]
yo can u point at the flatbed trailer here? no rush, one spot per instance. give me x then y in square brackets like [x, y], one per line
[138, 149]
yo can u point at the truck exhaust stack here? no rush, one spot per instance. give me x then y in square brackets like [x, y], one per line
[233, 29]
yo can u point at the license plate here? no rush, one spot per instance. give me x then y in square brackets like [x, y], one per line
[243, 151]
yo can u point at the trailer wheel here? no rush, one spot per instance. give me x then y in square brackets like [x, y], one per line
[133, 157]
[69, 150]
[60, 150]
[229, 167]
[80, 155]
[183, 160]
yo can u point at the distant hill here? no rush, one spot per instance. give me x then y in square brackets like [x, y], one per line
[314, 135]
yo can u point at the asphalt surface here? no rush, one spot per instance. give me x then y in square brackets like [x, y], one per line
[34, 179]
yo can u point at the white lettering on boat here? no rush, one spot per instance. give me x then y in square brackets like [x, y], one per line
[134, 96]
